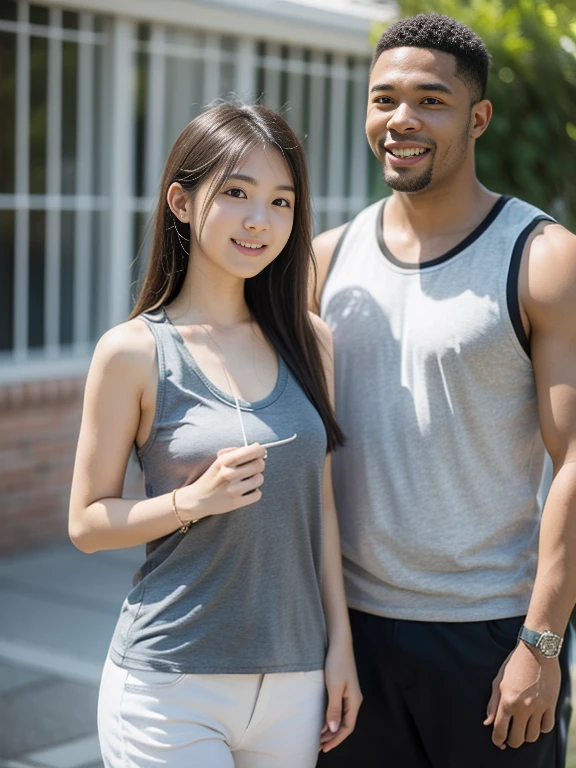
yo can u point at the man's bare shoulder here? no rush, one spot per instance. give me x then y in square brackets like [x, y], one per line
[325, 243]
[550, 288]
[323, 332]
[324, 246]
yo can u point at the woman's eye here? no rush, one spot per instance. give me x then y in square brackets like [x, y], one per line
[281, 202]
[235, 192]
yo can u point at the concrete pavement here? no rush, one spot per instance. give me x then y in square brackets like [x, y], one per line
[58, 608]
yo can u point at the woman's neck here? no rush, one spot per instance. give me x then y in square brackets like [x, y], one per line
[217, 300]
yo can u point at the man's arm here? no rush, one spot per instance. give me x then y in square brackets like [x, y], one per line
[525, 692]
[324, 246]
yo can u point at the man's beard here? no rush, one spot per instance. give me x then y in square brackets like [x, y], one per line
[402, 180]
[405, 182]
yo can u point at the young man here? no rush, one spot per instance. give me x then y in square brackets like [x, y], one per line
[453, 311]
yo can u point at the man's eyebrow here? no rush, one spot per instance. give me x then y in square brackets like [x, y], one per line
[434, 87]
[251, 180]
[420, 87]
[381, 87]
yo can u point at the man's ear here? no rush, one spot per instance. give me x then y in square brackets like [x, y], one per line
[178, 201]
[481, 115]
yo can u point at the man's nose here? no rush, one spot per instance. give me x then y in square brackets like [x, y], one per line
[404, 120]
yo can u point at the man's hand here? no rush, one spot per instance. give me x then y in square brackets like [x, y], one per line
[524, 696]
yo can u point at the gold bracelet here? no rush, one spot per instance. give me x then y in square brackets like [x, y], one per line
[184, 526]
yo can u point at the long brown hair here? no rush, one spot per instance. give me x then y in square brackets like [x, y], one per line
[210, 148]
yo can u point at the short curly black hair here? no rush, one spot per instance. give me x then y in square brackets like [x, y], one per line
[442, 33]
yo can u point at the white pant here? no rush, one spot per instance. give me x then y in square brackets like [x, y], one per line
[155, 719]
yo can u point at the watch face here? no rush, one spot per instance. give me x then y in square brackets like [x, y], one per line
[549, 644]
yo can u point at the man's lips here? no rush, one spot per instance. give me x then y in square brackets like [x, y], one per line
[402, 155]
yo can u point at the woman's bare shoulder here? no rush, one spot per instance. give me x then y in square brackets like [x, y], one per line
[128, 348]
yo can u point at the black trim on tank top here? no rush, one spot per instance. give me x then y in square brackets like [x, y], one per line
[471, 238]
[512, 298]
[333, 259]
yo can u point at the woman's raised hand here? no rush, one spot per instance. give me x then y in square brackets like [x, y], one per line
[232, 481]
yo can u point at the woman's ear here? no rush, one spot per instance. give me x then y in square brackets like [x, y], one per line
[178, 202]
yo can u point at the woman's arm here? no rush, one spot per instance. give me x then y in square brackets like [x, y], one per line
[124, 364]
[344, 697]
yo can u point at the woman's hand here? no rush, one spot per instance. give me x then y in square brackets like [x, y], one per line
[232, 481]
[344, 696]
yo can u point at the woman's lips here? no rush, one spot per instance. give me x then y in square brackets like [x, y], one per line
[249, 251]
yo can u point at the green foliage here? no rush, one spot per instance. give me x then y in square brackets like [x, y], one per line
[529, 149]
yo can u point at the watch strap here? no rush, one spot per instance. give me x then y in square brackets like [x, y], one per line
[529, 636]
[547, 643]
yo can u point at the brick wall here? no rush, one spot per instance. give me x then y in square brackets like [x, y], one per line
[39, 425]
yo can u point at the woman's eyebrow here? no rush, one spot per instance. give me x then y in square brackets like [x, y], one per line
[254, 182]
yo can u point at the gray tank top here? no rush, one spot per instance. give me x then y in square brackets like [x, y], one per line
[437, 484]
[240, 592]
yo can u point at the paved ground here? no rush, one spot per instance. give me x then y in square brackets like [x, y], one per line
[58, 609]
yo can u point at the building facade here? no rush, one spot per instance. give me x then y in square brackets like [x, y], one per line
[92, 95]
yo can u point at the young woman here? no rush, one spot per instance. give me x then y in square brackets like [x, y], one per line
[237, 625]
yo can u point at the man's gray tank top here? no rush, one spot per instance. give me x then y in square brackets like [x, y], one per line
[240, 592]
[436, 486]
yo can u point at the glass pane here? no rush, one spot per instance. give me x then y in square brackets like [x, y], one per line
[69, 114]
[377, 188]
[142, 237]
[8, 10]
[350, 87]
[184, 81]
[38, 15]
[102, 96]
[100, 272]
[36, 279]
[95, 253]
[188, 40]
[101, 23]
[141, 79]
[7, 111]
[143, 32]
[67, 276]
[38, 97]
[227, 80]
[70, 20]
[6, 278]
[229, 44]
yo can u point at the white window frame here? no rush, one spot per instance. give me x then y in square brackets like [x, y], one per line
[325, 80]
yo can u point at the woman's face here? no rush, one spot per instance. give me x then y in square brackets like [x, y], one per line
[250, 220]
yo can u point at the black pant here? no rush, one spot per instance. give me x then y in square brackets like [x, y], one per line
[426, 686]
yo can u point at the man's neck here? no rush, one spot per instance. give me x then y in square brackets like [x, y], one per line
[423, 226]
[440, 211]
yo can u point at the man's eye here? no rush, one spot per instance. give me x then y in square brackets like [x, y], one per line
[431, 100]
[235, 192]
[383, 100]
[281, 202]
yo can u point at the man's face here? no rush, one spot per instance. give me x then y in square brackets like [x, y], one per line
[419, 118]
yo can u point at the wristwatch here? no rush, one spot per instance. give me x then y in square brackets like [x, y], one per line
[546, 642]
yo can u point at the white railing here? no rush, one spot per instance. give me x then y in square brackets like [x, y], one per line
[136, 86]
